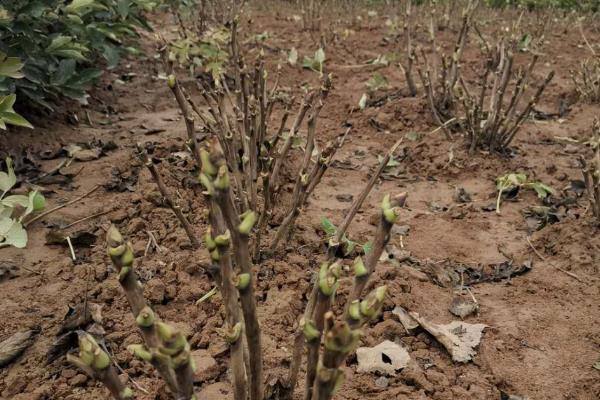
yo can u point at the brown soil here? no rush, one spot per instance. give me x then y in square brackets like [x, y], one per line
[543, 334]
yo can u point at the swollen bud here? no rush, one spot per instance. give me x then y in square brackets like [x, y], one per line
[140, 351]
[101, 359]
[328, 278]
[224, 239]
[309, 329]
[208, 240]
[248, 221]
[208, 167]
[171, 81]
[354, 310]
[371, 305]
[145, 318]
[165, 331]
[243, 281]
[359, 267]
[222, 180]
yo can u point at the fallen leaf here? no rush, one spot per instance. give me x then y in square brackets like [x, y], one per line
[386, 358]
[408, 322]
[459, 338]
[463, 307]
[12, 347]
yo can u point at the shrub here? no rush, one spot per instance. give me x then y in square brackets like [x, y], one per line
[59, 41]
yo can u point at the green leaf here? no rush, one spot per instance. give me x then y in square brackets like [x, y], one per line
[12, 233]
[7, 179]
[328, 227]
[7, 102]
[15, 200]
[541, 189]
[13, 118]
[11, 67]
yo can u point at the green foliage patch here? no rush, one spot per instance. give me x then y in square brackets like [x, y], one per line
[53, 47]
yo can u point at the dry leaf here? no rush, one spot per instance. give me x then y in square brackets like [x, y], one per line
[408, 322]
[459, 338]
[387, 358]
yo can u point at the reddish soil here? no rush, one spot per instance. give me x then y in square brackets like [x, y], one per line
[543, 334]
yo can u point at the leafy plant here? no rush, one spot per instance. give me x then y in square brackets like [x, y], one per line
[207, 52]
[14, 208]
[513, 181]
[316, 62]
[59, 42]
[10, 67]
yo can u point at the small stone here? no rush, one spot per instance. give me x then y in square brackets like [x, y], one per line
[78, 380]
[382, 382]
[206, 366]
[218, 349]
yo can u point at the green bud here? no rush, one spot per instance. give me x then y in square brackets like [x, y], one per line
[328, 278]
[127, 393]
[87, 357]
[215, 255]
[123, 273]
[182, 358]
[171, 81]
[233, 334]
[118, 251]
[354, 310]
[304, 179]
[208, 240]
[140, 351]
[113, 237]
[205, 181]
[224, 239]
[385, 203]
[165, 331]
[248, 221]
[309, 329]
[243, 281]
[128, 256]
[390, 215]
[145, 318]
[208, 167]
[359, 267]
[39, 201]
[371, 305]
[101, 359]
[222, 180]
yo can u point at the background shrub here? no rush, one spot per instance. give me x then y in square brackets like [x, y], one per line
[60, 44]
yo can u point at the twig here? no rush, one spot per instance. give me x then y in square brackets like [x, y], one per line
[71, 248]
[87, 218]
[537, 253]
[45, 213]
[207, 296]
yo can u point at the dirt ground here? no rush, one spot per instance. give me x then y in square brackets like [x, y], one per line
[543, 334]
